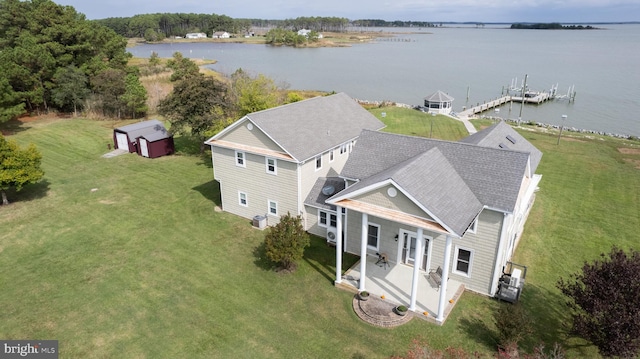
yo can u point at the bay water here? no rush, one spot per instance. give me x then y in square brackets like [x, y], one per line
[471, 64]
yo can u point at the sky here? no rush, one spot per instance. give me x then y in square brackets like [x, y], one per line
[507, 11]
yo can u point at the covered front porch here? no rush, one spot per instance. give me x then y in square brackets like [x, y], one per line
[394, 281]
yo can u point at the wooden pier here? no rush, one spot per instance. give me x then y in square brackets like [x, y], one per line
[532, 97]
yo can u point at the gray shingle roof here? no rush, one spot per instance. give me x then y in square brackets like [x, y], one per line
[317, 198]
[501, 135]
[452, 180]
[439, 96]
[307, 128]
[152, 130]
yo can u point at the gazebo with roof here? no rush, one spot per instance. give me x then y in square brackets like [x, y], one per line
[438, 103]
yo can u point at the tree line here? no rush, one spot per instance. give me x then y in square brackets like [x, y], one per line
[551, 26]
[52, 58]
[163, 25]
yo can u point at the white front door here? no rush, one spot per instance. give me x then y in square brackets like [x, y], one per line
[409, 249]
[121, 139]
[144, 150]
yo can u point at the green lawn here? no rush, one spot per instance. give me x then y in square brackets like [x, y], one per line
[126, 257]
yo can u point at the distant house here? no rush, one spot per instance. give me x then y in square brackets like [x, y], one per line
[439, 103]
[148, 139]
[196, 35]
[220, 35]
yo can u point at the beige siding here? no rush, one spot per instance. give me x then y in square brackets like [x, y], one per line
[484, 246]
[329, 169]
[311, 222]
[400, 202]
[386, 242]
[259, 185]
[255, 137]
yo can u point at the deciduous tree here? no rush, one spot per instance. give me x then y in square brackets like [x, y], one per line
[605, 301]
[195, 105]
[71, 88]
[252, 94]
[18, 167]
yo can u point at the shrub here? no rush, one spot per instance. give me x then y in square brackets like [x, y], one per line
[513, 324]
[286, 241]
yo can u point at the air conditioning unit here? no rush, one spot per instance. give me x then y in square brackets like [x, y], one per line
[332, 235]
[515, 277]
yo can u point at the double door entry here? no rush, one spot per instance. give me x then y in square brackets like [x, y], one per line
[409, 240]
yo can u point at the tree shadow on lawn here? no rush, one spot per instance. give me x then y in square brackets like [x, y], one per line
[261, 261]
[547, 314]
[29, 192]
[211, 191]
[322, 257]
[12, 127]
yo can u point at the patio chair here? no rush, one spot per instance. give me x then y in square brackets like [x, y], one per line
[383, 260]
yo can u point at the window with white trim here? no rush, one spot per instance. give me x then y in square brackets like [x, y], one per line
[331, 155]
[327, 219]
[343, 148]
[242, 199]
[474, 226]
[373, 236]
[240, 159]
[273, 207]
[318, 162]
[462, 261]
[271, 165]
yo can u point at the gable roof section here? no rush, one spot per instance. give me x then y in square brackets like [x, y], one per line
[146, 129]
[493, 175]
[310, 127]
[432, 182]
[503, 136]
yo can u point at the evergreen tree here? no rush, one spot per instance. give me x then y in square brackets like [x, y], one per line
[285, 242]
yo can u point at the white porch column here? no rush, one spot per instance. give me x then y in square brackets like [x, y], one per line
[339, 245]
[442, 302]
[417, 263]
[363, 250]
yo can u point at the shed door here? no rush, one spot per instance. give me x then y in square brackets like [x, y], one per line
[121, 139]
[144, 150]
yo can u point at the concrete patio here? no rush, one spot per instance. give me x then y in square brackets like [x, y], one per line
[394, 283]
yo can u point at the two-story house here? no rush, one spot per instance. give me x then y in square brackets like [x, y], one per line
[421, 203]
[267, 162]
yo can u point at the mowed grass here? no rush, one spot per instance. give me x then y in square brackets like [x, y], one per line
[126, 257]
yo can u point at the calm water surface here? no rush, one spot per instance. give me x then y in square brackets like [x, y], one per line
[603, 65]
